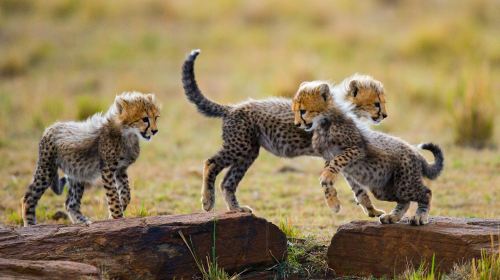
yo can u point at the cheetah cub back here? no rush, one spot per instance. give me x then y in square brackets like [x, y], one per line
[104, 145]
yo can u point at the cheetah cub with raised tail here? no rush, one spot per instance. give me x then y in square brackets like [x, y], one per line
[388, 166]
[266, 123]
[104, 145]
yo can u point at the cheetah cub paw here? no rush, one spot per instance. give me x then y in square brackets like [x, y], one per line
[419, 219]
[208, 201]
[244, 209]
[389, 218]
[334, 203]
[375, 212]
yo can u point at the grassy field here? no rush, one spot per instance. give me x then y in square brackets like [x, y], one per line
[439, 62]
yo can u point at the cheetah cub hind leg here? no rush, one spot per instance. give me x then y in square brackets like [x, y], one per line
[73, 202]
[233, 204]
[367, 206]
[363, 199]
[421, 216]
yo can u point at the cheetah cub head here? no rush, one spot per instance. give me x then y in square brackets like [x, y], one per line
[312, 99]
[361, 96]
[366, 97]
[137, 113]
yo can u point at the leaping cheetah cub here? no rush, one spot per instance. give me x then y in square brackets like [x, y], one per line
[102, 146]
[267, 123]
[389, 167]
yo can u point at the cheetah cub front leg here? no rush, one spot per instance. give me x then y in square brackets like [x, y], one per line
[327, 180]
[114, 205]
[207, 189]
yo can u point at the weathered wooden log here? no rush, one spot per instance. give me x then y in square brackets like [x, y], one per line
[152, 247]
[56, 270]
[366, 248]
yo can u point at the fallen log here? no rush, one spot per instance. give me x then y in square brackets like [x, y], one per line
[152, 247]
[56, 270]
[364, 248]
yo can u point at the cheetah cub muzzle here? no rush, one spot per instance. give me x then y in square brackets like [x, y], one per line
[104, 146]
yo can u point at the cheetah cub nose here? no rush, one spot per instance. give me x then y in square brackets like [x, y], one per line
[154, 131]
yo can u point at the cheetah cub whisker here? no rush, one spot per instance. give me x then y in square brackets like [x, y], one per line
[104, 145]
[389, 167]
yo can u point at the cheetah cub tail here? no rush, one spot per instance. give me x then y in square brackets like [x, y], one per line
[432, 171]
[205, 106]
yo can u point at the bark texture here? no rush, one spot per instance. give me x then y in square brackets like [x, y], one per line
[366, 248]
[152, 247]
[57, 270]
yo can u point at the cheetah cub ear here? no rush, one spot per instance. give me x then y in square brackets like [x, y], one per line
[353, 88]
[151, 97]
[324, 90]
[121, 104]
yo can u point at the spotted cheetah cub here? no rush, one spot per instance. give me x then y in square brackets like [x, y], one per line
[267, 123]
[388, 166]
[102, 146]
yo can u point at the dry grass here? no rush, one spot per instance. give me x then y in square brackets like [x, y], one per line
[474, 113]
[487, 267]
[98, 49]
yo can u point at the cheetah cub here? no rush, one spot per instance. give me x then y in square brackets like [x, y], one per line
[102, 146]
[389, 167]
[267, 123]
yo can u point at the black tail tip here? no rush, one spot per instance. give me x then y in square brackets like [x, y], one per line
[426, 146]
[194, 53]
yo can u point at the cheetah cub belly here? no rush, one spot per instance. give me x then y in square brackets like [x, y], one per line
[387, 166]
[102, 146]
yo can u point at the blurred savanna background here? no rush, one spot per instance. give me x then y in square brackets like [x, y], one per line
[66, 59]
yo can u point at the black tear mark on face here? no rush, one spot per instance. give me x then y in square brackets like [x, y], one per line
[302, 118]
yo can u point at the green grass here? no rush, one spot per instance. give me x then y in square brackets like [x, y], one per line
[306, 259]
[139, 211]
[87, 106]
[487, 267]
[15, 218]
[286, 226]
[425, 271]
[474, 113]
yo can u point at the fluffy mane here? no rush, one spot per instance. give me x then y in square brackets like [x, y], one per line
[130, 97]
[342, 89]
